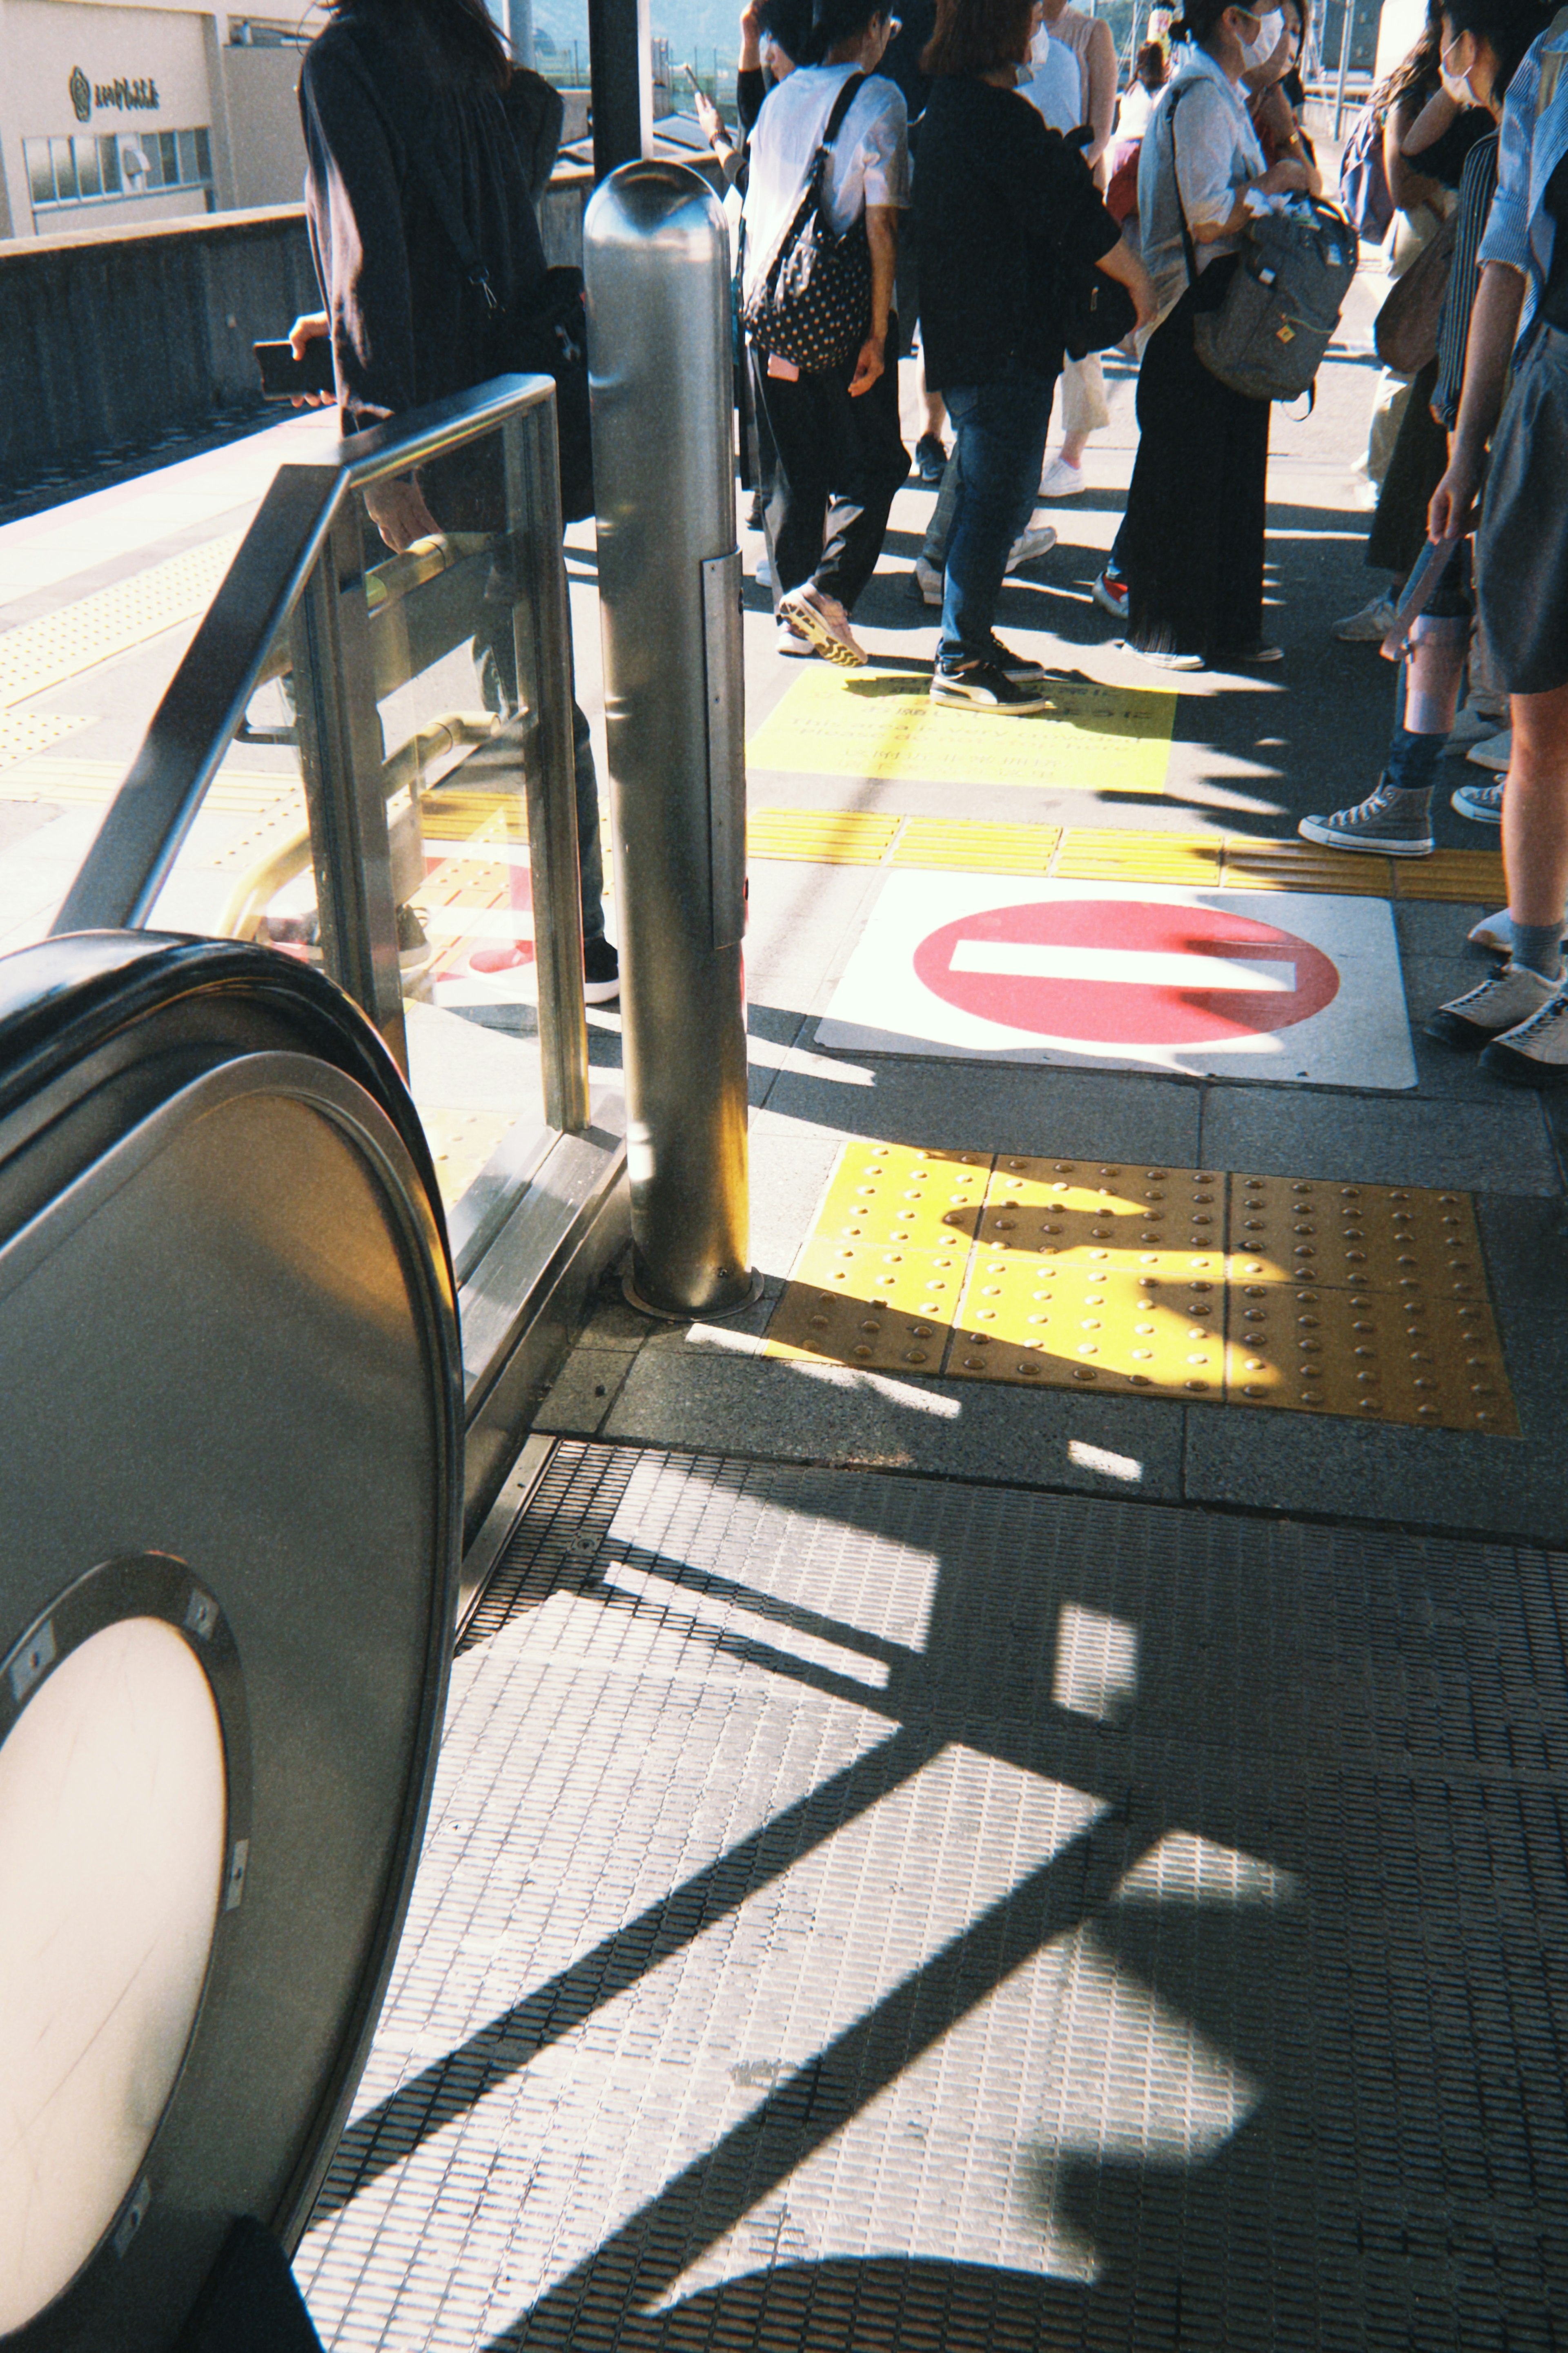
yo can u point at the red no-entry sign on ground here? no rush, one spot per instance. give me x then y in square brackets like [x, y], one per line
[1126, 972]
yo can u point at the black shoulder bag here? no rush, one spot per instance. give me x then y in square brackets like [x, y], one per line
[812, 303]
[549, 338]
[1094, 311]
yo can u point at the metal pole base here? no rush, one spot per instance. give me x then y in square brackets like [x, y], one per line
[634, 1298]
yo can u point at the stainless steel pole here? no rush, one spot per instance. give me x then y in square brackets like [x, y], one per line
[657, 263]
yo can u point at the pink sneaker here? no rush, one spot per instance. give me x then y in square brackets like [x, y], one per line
[823, 620]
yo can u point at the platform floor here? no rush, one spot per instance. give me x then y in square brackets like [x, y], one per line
[931, 1861]
[885, 1912]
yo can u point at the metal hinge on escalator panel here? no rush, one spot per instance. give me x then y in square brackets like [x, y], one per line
[726, 746]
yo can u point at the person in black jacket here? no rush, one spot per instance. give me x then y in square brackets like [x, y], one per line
[406, 327]
[1002, 205]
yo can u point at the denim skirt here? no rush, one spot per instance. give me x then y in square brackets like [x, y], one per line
[1522, 547]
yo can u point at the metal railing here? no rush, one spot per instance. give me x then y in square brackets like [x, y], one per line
[332, 685]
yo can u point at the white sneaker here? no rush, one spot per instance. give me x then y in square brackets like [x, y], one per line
[1028, 545]
[1536, 1053]
[1370, 626]
[794, 641]
[823, 620]
[1061, 480]
[764, 572]
[1510, 996]
[1495, 752]
[1471, 723]
[931, 582]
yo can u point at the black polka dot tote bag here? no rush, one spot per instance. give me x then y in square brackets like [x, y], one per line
[812, 306]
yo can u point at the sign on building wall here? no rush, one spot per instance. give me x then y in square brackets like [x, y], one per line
[140, 96]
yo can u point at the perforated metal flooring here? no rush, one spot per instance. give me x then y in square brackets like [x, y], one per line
[865, 1912]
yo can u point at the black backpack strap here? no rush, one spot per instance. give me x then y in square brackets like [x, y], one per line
[811, 201]
[841, 106]
[437, 187]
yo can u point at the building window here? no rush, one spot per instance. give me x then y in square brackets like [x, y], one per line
[89, 171]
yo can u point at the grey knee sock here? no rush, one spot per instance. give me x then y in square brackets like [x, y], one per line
[1540, 945]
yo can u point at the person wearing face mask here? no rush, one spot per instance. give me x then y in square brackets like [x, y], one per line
[1515, 397]
[1272, 78]
[1395, 819]
[1191, 544]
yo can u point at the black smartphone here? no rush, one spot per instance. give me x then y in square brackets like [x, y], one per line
[283, 377]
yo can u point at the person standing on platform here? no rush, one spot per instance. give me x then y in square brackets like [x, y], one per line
[1191, 546]
[1002, 203]
[838, 459]
[406, 327]
[1516, 399]
[1093, 48]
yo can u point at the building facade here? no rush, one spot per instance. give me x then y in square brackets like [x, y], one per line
[117, 117]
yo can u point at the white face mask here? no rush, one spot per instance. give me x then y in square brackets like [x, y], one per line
[1270, 30]
[1459, 91]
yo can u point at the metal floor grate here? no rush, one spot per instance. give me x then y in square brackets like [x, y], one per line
[868, 1912]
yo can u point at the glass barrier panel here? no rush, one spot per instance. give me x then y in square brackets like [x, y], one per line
[245, 869]
[452, 723]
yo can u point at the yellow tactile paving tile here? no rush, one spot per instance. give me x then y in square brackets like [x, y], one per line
[1026, 1318]
[459, 816]
[1109, 1214]
[1366, 1237]
[1099, 1275]
[25, 733]
[1463, 877]
[822, 837]
[887, 1309]
[1128, 854]
[1108, 853]
[77, 636]
[896, 1196]
[1376, 1355]
[460, 1143]
[94, 783]
[973, 846]
[881, 724]
[1300, 866]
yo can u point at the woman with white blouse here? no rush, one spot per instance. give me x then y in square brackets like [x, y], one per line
[1192, 544]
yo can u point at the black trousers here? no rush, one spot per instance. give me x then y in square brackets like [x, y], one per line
[1192, 542]
[838, 463]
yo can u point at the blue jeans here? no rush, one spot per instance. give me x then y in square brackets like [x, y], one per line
[1001, 433]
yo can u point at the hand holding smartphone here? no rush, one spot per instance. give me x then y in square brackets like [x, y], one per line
[284, 378]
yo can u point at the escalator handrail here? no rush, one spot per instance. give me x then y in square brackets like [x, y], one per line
[193, 727]
[63, 999]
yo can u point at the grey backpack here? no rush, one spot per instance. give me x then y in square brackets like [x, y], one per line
[1268, 337]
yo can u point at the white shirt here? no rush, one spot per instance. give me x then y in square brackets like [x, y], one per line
[1055, 85]
[1132, 116]
[869, 162]
[1217, 152]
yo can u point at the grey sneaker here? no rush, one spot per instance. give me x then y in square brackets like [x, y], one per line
[1493, 935]
[1370, 626]
[1494, 752]
[1536, 1053]
[1386, 822]
[1511, 997]
[1482, 804]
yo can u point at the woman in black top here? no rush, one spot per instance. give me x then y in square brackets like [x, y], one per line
[1001, 205]
[406, 327]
